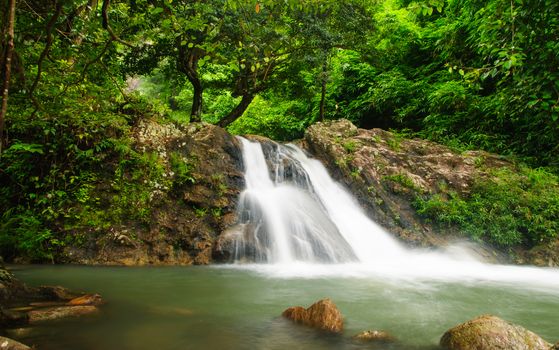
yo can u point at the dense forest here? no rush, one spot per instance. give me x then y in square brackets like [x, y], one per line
[78, 74]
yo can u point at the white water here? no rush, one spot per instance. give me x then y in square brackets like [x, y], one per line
[297, 221]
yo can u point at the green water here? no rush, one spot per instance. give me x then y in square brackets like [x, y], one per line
[225, 308]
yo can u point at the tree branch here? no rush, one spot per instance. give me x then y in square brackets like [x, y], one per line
[45, 52]
[107, 26]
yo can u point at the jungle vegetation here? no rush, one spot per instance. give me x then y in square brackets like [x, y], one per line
[78, 74]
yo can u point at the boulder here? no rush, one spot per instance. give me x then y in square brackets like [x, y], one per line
[489, 332]
[374, 336]
[10, 344]
[555, 347]
[56, 313]
[322, 315]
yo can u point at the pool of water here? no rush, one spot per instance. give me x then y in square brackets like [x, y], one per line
[224, 307]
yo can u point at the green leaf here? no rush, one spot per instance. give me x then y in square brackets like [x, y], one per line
[157, 10]
[26, 147]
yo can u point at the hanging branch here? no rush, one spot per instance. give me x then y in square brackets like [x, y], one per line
[45, 52]
[107, 26]
[7, 67]
[117, 85]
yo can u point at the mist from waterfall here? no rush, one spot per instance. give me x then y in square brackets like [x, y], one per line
[295, 220]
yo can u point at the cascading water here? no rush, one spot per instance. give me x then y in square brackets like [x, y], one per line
[293, 215]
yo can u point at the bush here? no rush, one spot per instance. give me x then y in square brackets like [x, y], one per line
[511, 207]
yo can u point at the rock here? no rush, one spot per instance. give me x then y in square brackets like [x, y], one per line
[9, 344]
[386, 172]
[19, 332]
[56, 293]
[88, 299]
[374, 336]
[323, 315]
[189, 206]
[555, 347]
[489, 332]
[56, 313]
[10, 318]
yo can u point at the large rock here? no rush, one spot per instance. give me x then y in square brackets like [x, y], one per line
[322, 315]
[386, 172]
[187, 212]
[10, 344]
[489, 332]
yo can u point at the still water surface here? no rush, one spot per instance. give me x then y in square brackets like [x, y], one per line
[231, 308]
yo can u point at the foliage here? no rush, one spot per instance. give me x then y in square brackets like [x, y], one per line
[278, 121]
[511, 207]
[472, 74]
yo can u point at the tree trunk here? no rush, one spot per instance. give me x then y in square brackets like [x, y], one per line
[196, 112]
[323, 92]
[187, 63]
[237, 111]
[7, 67]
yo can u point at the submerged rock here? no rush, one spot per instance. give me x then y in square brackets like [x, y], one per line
[374, 336]
[10, 344]
[10, 318]
[489, 332]
[55, 313]
[322, 315]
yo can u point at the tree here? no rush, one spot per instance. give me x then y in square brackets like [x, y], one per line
[8, 45]
[180, 35]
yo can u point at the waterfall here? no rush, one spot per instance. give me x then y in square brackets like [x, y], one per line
[294, 215]
[296, 212]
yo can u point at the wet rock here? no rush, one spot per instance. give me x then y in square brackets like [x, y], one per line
[10, 344]
[489, 332]
[56, 293]
[374, 336]
[19, 332]
[88, 299]
[322, 315]
[10, 318]
[55, 313]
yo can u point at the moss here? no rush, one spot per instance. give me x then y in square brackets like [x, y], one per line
[404, 180]
[507, 208]
[349, 146]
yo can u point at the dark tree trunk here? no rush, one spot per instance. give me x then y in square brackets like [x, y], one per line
[196, 112]
[237, 111]
[187, 63]
[7, 67]
[324, 80]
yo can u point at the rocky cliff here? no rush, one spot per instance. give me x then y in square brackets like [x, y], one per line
[191, 200]
[388, 173]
